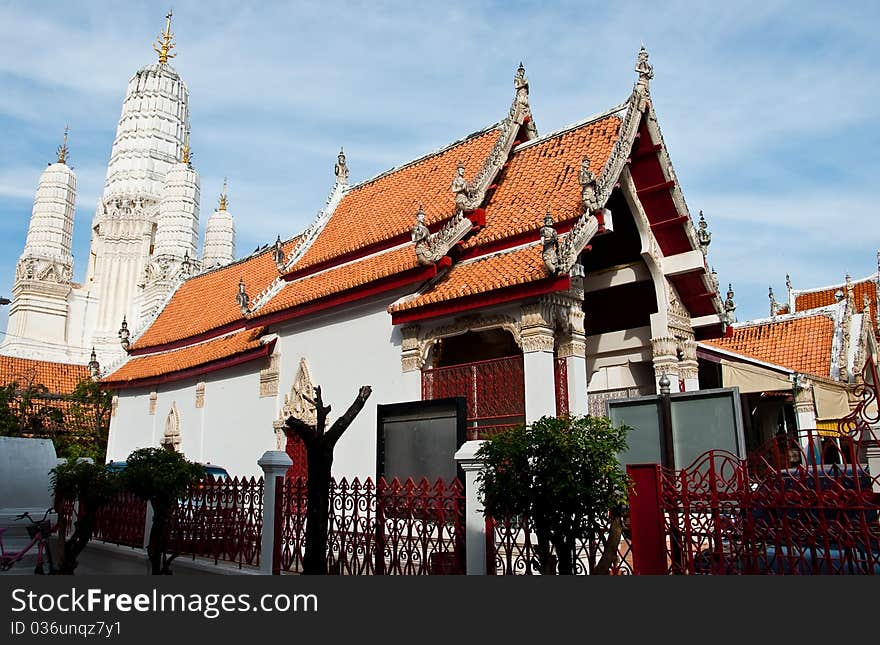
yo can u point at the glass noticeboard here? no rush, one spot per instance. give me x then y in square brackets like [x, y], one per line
[702, 420]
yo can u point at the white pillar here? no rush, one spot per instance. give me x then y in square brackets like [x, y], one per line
[540, 385]
[576, 366]
[475, 523]
[274, 464]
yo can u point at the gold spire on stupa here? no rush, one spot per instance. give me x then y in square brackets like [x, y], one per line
[223, 201]
[62, 149]
[187, 157]
[163, 44]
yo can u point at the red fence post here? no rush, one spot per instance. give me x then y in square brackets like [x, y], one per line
[646, 520]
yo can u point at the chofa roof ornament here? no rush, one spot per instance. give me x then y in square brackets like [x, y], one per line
[242, 298]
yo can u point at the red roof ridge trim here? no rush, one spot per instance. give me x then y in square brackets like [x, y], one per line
[197, 370]
[354, 294]
[192, 341]
[481, 300]
[187, 341]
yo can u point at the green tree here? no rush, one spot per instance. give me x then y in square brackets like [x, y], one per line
[86, 423]
[564, 476]
[161, 477]
[93, 486]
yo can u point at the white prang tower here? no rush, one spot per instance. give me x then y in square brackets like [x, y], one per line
[150, 141]
[38, 313]
[144, 232]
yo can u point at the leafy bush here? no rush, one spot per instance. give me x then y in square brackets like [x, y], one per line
[562, 474]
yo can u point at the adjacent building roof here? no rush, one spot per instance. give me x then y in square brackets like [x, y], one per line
[799, 343]
[58, 378]
[866, 288]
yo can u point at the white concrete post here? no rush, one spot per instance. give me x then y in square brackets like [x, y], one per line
[576, 368]
[540, 385]
[274, 464]
[475, 523]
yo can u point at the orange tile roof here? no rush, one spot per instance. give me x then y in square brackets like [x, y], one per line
[800, 344]
[546, 174]
[342, 278]
[207, 301]
[384, 207]
[58, 378]
[176, 360]
[484, 274]
[805, 300]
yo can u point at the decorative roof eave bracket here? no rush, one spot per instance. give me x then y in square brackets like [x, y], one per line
[469, 196]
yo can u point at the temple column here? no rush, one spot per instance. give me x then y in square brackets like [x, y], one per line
[411, 362]
[537, 345]
[573, 348]
[688, 368]
[665, 352]
[805, 410]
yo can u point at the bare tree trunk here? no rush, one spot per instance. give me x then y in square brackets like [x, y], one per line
[319, 453]
[609, 552]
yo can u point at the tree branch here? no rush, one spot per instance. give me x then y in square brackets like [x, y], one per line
[303, 430]
[321, 410]
[342, 423]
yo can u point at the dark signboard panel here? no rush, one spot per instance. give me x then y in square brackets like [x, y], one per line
[419, 439]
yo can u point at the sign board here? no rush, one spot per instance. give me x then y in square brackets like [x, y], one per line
[420, 438]
[701, 420]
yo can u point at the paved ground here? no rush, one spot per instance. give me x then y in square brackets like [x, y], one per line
[109, 559]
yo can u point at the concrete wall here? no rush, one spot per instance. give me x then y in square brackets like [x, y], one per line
[24, 473]
[345, 349]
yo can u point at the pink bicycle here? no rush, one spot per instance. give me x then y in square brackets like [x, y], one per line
[39, 532]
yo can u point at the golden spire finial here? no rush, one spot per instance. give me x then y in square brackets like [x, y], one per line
[163, 44]
[62, 149]
[186, 158]
[223, 201]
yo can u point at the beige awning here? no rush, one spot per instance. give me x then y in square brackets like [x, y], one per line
[753, 378]
[831, 402]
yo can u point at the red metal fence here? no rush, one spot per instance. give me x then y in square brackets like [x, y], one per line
[721, 515]
[494, 390]
[512, 549]
[387, 528]
[122, 521]
[221, 519]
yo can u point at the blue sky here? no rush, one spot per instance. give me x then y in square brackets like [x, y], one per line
[769, 109]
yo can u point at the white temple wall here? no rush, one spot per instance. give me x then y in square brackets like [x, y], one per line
[346, 350]
[132, 426]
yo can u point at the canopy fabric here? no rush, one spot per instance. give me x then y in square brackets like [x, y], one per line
[753, 378]
[831, 402]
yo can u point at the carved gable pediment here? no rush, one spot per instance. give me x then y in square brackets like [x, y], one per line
[299, 403]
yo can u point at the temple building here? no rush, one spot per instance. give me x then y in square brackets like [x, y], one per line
[801, 367]
[144, 234]
[532, 274]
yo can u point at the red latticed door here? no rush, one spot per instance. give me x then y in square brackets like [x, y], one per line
[494, 391]
[296, 450]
